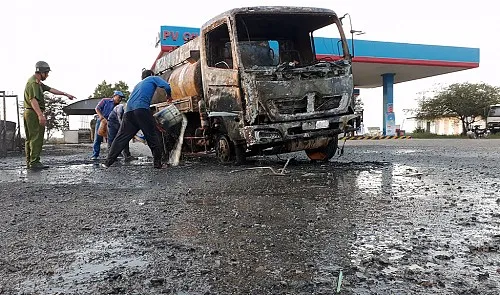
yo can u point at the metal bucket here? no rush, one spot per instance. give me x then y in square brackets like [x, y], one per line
[169, 116]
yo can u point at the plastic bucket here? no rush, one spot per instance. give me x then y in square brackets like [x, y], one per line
[169, 116]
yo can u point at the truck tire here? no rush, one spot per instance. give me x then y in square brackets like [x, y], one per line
[324, 153]
[229, 153]
[224, 150]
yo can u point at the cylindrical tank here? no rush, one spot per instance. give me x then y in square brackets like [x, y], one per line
[186, 81]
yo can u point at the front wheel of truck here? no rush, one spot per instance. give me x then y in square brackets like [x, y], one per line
[228, 153]
[324, 153]
[224, 150]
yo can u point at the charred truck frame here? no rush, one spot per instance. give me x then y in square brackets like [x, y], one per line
[251, 84]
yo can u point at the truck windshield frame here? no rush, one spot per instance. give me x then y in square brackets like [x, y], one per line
[267, 40]
[494, 112]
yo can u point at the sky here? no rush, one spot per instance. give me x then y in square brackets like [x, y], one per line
[86, 42]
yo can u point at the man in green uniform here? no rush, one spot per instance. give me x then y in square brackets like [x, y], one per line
[34, 118]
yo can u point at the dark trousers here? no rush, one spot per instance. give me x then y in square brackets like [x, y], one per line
[132, 122]
[113, 127]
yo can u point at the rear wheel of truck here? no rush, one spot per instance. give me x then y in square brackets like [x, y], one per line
[324, 153]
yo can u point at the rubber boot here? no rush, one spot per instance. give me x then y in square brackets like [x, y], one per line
[157, 162]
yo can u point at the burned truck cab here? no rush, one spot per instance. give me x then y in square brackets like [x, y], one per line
[262, 79]
[255, 80]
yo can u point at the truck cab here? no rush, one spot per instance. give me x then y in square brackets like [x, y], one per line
[493, 118]
[260, 86]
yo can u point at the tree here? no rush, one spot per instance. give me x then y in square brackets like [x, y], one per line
[55, 116]
[465, 101]
[106, 90]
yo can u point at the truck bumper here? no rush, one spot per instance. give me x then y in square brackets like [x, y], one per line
[297, 135]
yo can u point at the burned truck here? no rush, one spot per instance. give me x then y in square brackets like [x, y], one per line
[251, 83]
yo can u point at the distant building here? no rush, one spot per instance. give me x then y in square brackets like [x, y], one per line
[442, 126]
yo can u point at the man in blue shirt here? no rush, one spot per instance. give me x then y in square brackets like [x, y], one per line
[103, 109]
[138, 116]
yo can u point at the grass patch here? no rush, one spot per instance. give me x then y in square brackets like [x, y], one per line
[425, 135]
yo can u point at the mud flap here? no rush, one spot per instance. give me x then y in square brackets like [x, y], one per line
[324, 153]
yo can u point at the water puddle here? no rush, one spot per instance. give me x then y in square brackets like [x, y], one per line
[142, 161]
[99, 261]
[406, 151]
[415, 236]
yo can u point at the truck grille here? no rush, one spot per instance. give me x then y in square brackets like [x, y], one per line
[290, 106]
[327, 102]
[295, 105]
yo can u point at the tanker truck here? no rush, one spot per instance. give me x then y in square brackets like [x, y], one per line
[251, 84]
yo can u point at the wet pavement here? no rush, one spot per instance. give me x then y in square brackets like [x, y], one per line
[388, 217]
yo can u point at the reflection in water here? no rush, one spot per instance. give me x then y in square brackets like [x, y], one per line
[388, 180]
[90, 265]
[373, 184]
[369, 181]
[74, 173]
[406, 151]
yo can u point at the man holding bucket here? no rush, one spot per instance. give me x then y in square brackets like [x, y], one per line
[103, 110]
[138, 116]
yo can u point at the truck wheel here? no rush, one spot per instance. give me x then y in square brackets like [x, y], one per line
[324, 153]
[224, 150]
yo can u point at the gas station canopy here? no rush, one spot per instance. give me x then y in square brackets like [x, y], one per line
[372, 59]
[407, 61]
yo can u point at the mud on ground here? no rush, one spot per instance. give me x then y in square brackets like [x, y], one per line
[388, 217]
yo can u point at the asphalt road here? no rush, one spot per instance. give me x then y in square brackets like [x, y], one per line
[388, 217]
